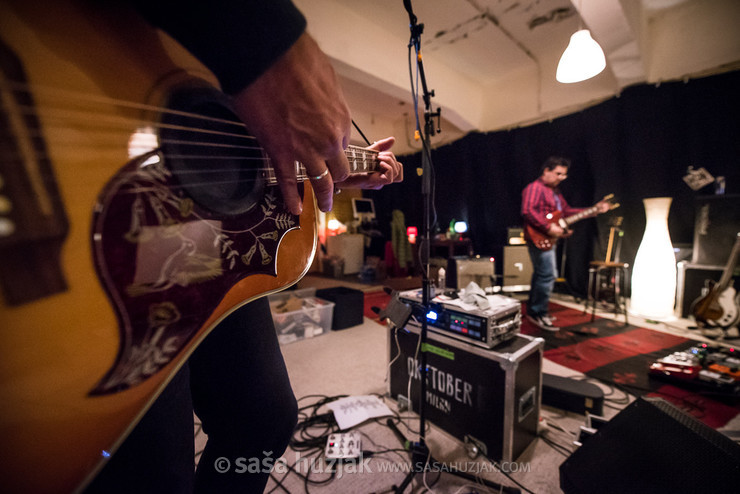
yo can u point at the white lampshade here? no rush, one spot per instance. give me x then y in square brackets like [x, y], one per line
[654, 271]
[583, 59]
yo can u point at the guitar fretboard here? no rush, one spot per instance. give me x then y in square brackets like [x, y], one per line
[579, 216]
[361, 160]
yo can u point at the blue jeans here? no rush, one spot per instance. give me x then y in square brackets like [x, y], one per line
[545, 270]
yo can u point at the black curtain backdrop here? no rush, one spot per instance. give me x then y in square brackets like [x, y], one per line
[637, 145]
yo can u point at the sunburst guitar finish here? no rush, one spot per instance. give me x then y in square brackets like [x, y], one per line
[136, 212]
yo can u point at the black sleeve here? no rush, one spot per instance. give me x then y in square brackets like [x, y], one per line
[236, 39]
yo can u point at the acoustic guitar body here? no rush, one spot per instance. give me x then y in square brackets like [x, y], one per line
[131, 231]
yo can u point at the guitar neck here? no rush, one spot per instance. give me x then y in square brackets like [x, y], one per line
[581, 215]
[361, 160]
[724, 281]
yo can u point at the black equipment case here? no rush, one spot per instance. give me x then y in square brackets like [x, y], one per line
[487, 398]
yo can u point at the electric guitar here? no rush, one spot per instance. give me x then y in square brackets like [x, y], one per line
[719, 306]
[544, 242]
[136, 212]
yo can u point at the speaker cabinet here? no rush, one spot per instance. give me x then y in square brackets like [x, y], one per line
[653, 447]
[461, 270]
[691, 284]
[517, 266]
[716, 223]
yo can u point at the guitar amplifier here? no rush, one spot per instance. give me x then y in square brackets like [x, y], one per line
[691, 284]
[487, 398]
[517, 268]
[461, 270]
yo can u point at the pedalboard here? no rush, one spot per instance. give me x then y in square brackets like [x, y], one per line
[702, 365]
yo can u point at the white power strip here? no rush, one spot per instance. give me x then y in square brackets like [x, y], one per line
[343, 445]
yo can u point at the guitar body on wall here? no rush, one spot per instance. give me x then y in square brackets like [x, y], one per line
[544, 242]
[719, 306]
[137, 213]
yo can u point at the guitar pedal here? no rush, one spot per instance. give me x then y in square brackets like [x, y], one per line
[342, 446]
[683, 365]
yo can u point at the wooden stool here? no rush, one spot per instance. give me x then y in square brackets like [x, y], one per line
[600, 271]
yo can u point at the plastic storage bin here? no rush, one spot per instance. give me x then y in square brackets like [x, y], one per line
[297, 315]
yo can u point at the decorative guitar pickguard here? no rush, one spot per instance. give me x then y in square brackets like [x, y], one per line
[166, 262]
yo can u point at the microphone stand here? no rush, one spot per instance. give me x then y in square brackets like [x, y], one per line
[420, 454]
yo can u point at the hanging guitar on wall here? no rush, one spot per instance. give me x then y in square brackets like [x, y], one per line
[720, 305]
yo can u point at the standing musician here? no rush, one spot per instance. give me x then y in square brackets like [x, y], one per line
[285, 91]
[540, 198]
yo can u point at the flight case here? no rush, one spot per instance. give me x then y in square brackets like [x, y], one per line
[489, 398]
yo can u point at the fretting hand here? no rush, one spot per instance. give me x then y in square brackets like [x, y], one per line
[297, 112]
[390, 170]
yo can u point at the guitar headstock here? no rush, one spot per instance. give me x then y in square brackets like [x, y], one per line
[609, 198]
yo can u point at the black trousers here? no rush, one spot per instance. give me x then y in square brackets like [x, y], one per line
[237, 384]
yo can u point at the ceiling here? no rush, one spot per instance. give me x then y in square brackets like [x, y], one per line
[491, 63]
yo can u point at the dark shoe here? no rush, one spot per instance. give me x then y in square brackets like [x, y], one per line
[543, 322]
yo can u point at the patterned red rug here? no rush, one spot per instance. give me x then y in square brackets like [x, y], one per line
[619, 355]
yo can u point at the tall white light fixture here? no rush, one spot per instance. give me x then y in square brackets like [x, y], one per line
[581, 60]
[654, 272]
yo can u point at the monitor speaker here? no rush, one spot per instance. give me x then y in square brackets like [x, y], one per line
[653, 447]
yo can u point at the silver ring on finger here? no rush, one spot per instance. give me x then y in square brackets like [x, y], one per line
[321, 175]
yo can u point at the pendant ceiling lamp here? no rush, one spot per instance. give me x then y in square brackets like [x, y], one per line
[581, 60]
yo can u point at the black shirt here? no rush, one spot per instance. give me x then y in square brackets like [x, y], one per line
[236, 39]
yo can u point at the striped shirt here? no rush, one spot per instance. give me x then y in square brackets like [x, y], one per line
[538, 200]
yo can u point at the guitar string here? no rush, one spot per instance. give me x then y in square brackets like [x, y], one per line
[352, 151]
[354, 154]
[127, 122]
[70, 114]
[31, 89]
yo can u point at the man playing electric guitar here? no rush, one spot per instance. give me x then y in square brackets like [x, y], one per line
[541, 200]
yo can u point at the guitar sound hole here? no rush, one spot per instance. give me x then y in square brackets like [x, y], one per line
[210, 153]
